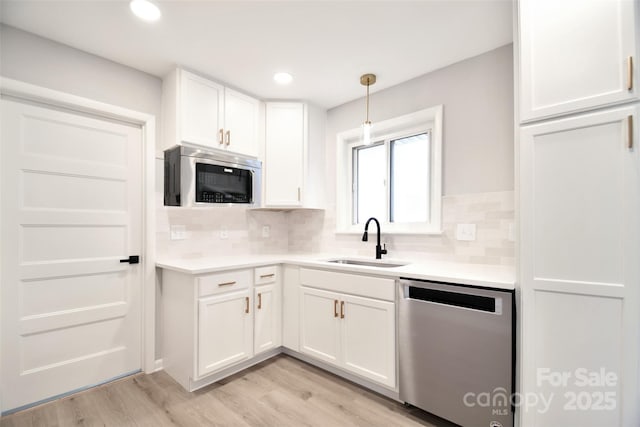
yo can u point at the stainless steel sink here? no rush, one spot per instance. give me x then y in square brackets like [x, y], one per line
[366, 263]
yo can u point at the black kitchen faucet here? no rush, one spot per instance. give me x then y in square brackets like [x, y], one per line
[365, 237]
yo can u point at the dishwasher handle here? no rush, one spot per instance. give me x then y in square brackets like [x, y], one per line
[456, 299]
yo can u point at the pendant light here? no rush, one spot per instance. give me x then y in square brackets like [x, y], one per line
[367, 80]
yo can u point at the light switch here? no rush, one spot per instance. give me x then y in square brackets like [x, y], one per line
[178, 232]
[466, 232]
[224, 232]
[266, 231]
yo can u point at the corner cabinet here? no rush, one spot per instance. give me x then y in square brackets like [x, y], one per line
[350, 329]
[219, 323]
[576, 55]
[294, 155]
[205, 113]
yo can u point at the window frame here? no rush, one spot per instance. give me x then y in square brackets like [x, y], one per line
[424, 121]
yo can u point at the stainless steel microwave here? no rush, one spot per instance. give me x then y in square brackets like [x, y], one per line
[197, 177]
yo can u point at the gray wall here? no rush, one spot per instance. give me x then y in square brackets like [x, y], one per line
[43, 62]
[477, 95]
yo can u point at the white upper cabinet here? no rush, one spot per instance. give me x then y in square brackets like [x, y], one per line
[241, 114]
[575, 55]
[294, 157]
[284, 153]
[199, 111]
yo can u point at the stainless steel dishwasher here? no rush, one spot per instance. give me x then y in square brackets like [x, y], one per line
[456, 351]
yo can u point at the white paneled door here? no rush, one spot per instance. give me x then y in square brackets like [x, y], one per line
[71, 211]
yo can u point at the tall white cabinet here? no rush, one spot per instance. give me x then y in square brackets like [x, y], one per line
[579, 211]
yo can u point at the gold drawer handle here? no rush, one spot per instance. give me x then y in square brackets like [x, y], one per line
[259, 301]
[221, 136]
[342, 309]
[246, 310]
[265, 276]
[226, 284]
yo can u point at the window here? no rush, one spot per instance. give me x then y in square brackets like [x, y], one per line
[397, 179]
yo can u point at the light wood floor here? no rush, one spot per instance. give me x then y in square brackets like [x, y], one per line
[282, 391]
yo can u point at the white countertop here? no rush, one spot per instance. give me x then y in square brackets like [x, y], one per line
[492, 276]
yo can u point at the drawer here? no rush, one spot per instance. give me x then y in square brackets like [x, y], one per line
[355, 284]
[264, 275]
[223, 282]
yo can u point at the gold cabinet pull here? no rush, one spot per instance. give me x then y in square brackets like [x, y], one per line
[246, 310]
[630, 73]
[630, 132]
[335, 308]
[221, 136]
[228, 138]
[259, 301]
[226, 283]
[265, 276]
[298, 193]
[342, 309]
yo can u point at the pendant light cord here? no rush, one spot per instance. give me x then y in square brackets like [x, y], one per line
[367, 121]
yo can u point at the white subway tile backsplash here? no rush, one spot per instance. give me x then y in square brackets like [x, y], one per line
[492, 213]
[309, 231]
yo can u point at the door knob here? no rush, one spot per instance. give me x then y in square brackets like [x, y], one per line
[133, 259]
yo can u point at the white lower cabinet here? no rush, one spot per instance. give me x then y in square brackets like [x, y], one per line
[368, 338]
[224, 331]
[216, 323]
[267, 325]
[355, 333]
[320, 324]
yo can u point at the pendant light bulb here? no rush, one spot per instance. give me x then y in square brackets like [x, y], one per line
[366, 133]
[367, 80]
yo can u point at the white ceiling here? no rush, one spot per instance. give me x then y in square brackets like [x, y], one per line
[326, 45]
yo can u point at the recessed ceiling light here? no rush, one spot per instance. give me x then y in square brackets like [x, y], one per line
[145, 10]
[283, 78]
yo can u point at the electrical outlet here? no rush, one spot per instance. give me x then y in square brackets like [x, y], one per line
[466, 232]
[266, 231]
[224, 232]
[178, 232]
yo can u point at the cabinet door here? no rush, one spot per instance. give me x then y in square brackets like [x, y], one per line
[201, 110]
[579, 270]
[241, 114]
[284, 154]
[267, 316]
[369, 338]
[574, 55]
[225, 327]
[291, 307]
[320, 324]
